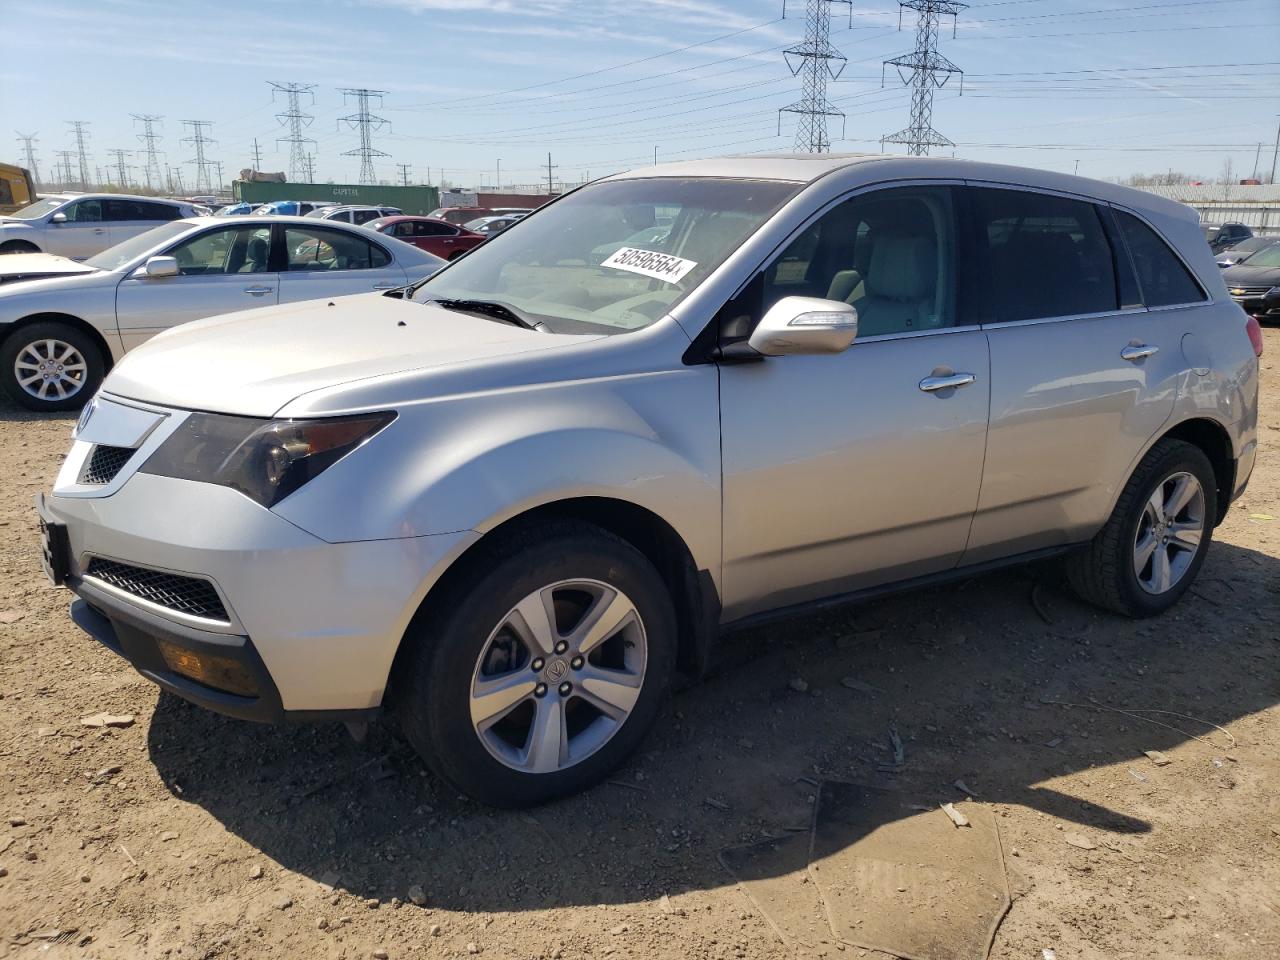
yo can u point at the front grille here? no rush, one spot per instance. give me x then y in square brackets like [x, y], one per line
[190, 595]
[104, 463]
[1240, 292]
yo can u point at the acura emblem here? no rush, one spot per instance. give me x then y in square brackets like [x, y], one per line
[85, 416]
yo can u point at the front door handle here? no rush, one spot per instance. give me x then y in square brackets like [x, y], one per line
[98, 230]
[934, 384]
[259, 291]
[1138, 351]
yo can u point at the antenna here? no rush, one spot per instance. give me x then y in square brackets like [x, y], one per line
[921, 70]
[151, 156]
[817, 60]
[366, 123]
[296, 121]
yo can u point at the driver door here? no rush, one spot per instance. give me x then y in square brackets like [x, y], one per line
[221, 270]
[849, 471]
[84, 233]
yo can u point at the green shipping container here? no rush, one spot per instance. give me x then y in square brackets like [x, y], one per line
[416, 200]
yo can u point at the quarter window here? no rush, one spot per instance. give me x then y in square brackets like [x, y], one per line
[319, 249]
[890, 253]
[1048, 256]
[1165, 281]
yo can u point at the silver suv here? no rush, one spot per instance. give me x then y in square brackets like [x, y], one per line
[508, 502]
[77, 226]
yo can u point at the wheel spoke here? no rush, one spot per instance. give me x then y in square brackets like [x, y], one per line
[1185, 536]
[613, 692]
[76, 367]
[609, 613]
[1142, 552]
[493, 698]
[548, 744]
[1156, 503]
[25, 381]
[534, 621]
[1161, 571]
[1184, 490]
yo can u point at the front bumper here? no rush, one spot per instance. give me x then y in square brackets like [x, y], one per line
[316, 624]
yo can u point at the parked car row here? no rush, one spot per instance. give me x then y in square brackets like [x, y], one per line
[80, 225]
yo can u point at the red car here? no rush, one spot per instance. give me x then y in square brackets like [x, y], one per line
[440, 237]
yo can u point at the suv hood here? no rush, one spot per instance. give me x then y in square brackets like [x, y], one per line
[34, 266]
[254, 362]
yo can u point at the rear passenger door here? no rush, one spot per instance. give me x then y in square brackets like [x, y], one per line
[128, 218]
[1082, 374]
[326, 262]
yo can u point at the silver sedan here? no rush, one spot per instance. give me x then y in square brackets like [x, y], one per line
[64, 324]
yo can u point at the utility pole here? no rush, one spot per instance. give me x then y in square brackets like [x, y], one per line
[149, 138]
[404, 173]
[296, 121]
[78, 126]
[365, 122]
[1275, 155]
[655, 155]
[817, 60]
[218, 164]
[257, 156]
[1257, 157]
[550, 189]
[921, 70]
[28, 144]
[122, 174]
[177, 176]
[199, 139]
[497, 181]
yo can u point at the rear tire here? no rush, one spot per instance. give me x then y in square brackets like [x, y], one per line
[1152, 547]
[70, 358]
[480, 638]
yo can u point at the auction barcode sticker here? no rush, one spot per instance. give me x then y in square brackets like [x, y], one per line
[650, 263]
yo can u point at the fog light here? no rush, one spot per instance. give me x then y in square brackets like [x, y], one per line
[220, 673]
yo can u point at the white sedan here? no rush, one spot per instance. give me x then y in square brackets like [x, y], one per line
[64, 324]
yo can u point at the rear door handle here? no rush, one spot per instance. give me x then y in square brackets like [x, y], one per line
[98, 230]
[259, 291]
[934, 384]
[1138, 351]
[387, 285]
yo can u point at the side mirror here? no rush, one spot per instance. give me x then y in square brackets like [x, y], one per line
[161, 267]
[805, 325]
[58, 217]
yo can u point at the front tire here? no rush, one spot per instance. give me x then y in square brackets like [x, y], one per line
[1153, 545]
[50, 366]
[19, 246]
[541, 668]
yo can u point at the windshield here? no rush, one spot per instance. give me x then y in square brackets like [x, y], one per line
[1268, 257]
[38, 209]
[121, 254]
[1210, 232]
[613, 256]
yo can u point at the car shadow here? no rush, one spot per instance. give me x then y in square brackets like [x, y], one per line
[972, 677]
[10, 412]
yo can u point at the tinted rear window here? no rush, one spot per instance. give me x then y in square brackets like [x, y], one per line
[1165, 281]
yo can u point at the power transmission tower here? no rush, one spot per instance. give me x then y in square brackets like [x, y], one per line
[366, 123]
[28, 144]
[122, 169]
[200, 140]
[149, 138]
[404, 173]
[296, 121]
[64, 167]
[82, 150]
[257, 156]
[310, 161]
[924, 69]
[818, 61]
[549, 169]
[218, 164]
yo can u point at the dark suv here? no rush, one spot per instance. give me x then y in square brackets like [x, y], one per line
[1223, 235]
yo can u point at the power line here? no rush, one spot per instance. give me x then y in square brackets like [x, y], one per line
[28, 145]
[817, 60]
[199, 140]
[78, 126]
[923, 67]
[297, 121]
[365, 122]
[149, 138]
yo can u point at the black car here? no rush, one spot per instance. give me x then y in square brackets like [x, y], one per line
[1243, 250]
[1255, 284]
[1223, 235]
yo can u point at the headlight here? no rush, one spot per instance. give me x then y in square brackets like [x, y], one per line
[265, 460]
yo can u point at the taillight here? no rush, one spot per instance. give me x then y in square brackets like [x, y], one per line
[1255, 334]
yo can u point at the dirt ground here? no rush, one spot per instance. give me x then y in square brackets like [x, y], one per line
[187, 835]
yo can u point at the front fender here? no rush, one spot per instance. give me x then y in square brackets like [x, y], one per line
[473, 462]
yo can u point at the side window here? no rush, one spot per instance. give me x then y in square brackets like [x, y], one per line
[890, 253]
[1164, 280]
[364, 216]
[121, 210]
[84, 211]
[1048, 256]
[319, 249]
[424, 228]
[229, 250]
[158, 211]
[403, 229]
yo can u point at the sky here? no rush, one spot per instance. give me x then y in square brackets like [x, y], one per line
[475, 90]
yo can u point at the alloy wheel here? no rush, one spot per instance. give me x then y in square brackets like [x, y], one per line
[1169, 533]
[50, 370]
[558, 676]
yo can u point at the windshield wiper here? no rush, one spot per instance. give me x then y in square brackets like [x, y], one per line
[491, 308]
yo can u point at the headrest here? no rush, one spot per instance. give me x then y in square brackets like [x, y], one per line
[903, 267]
